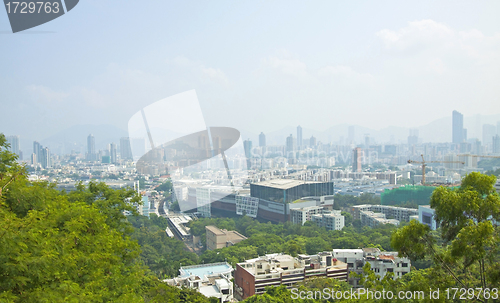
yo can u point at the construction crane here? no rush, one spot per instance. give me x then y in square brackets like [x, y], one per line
[424, 164]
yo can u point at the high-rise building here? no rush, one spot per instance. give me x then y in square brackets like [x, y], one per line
[138, 147]
[37, 148]
[457, 127]
[489, 130]
[262, 140]
[413, 137]
[112, 152]
[496, 144]
[247, 145]
[125, 149]
[312, 141]
[91, 148]
[14, 145]
[45, 157]
[350, 134]
[299, 136]
[357, 159]
[289, 144]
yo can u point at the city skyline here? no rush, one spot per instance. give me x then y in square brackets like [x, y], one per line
[342, 64]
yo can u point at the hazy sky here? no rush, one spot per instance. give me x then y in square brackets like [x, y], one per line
[255, 65]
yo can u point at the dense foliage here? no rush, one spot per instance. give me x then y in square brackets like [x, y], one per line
[288, 238]
[76, 247]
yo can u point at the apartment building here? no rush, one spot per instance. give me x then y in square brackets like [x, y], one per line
[331, 221]
[252, 276]
[381, 263]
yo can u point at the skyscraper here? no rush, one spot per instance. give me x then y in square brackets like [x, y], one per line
[299, 136]
[357, 156]
[489, 130]
[457, 127]
[14, 145]
[91, 148]
[350, 134]
[496, 144]
[247, 145]
[45, 157]
[125, 149]
[37, 152]
[262, 140]
[112, 152]
[289, 144]
[312, 141]
[413, 137]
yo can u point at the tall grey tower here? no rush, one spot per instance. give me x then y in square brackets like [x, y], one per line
[125, 149]
[91, 148]
[262, 140]
[112, 152]
[289, 144]
[299, 136]
[14, 145]
[457, 127]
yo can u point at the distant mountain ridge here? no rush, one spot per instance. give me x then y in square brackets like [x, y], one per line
[75, 137]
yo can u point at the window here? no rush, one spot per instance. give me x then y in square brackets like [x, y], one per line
[390, 270]
[404, 265]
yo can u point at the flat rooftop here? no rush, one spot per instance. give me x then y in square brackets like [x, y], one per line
[284, 183]
[204, 270]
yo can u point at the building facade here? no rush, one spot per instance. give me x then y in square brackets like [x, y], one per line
[219, 238]
[253, 276]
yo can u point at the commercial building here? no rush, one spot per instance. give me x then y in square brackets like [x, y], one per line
[211, 280]
[252, 276]
[219, 238]
[276, 195]
[247, 205]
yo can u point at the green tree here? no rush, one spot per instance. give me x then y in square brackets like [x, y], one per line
[469, 239]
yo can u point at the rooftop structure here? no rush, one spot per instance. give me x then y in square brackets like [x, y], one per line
[219, 238]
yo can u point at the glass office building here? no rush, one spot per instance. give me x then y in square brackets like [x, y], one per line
[287, 191]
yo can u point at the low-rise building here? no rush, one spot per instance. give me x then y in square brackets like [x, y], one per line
[381, 263]
[372, 219]
[219, 238]
[331, 221]
[252, 276]
[212, 280]
[304, 214]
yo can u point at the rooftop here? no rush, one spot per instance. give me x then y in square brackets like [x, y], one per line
[284, 183]
[205, 269]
